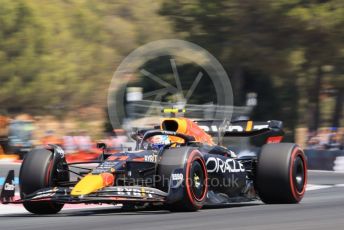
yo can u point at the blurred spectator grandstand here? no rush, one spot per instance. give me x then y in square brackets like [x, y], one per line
[326, 139]
[50, 139]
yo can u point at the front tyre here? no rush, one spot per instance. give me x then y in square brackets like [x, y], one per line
[195, 187]
[39, 171]
[281, 174]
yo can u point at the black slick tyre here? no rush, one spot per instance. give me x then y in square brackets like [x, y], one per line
[281, 175]
[195, 185]
[37, 172]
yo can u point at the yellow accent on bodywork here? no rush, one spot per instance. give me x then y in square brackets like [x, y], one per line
[89, 184]
[249, 126]
[172, 110]
[143, 192]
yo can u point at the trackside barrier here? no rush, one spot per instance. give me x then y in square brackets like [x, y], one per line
[325, 160]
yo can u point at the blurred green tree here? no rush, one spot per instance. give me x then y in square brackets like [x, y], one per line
[60, 56]
[291, 42]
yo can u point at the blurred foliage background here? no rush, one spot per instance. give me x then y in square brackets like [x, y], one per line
[58, 56]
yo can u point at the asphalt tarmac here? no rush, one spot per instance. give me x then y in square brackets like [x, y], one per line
[322, 208]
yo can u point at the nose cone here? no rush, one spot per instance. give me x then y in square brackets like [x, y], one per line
[92, 183]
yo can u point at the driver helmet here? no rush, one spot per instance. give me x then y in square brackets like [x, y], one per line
[159, 141]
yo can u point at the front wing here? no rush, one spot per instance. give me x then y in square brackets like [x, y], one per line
[118, 194]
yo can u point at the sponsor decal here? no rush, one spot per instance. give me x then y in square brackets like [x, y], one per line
[151, 158]
[276, 139]
[134, 192]
[112, 158]
[232, 128]
[107, 166]
[46, 194]
[9, 187]
[177, 176]
[215, 164]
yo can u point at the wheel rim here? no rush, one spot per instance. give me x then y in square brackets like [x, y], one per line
[197, 180]
[299, 174]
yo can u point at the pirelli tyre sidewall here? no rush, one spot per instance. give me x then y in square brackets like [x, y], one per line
[38, 171]
[281, 173]
[187, 166]
[196, 180]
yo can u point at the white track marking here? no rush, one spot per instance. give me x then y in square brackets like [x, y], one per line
[9, 162]
[339, 164]
[19, 209]
[312, 187]
[326, 171]
[339, 185]
[11, 209]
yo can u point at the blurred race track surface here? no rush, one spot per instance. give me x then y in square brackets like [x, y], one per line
[322, 208]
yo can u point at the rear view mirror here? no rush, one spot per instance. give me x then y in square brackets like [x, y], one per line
[101, 145]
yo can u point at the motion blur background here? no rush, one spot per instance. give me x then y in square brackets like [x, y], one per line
[57, 59]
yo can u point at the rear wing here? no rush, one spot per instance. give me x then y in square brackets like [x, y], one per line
[260, 133]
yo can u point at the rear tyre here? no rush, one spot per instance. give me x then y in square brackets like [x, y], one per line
[39, 171]
[281, 174]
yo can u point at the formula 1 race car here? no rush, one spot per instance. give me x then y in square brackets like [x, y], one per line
[176, 165]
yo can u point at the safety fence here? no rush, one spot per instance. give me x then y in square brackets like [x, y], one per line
[325, 160]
